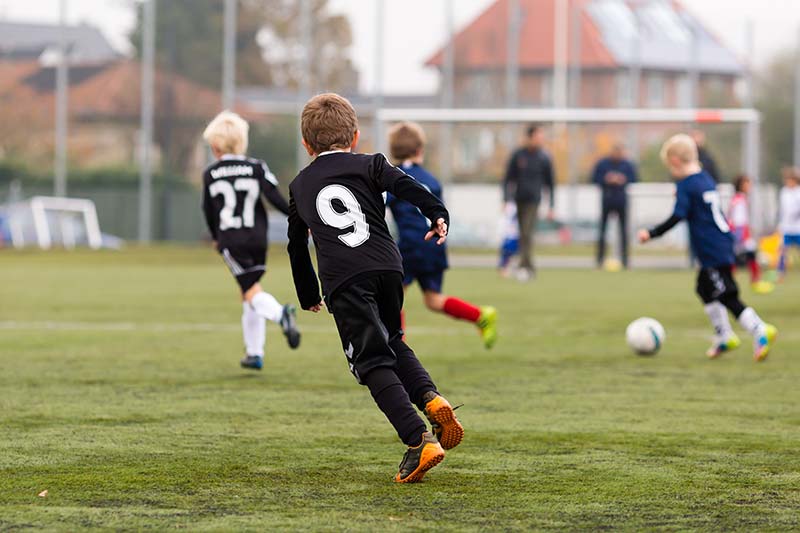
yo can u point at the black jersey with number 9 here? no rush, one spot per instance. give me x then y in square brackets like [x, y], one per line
[339, 197]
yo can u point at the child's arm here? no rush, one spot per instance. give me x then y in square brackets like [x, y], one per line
[680, 212]
[269, 188]
[305, 278]
[396, 182]
[209, 213]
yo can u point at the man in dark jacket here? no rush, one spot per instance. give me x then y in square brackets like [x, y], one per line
[706, 160]
[529, 170]
[613, 174]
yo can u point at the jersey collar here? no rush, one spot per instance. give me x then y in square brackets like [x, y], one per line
[227, 157]
[329, 152]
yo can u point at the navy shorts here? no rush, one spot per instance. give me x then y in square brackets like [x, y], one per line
[428, 281]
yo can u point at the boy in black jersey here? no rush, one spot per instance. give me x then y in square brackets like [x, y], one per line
[233, 187]
[339, 198]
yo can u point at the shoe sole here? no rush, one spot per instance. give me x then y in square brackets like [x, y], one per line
[452, 430]
[432, 455]
[763, 355]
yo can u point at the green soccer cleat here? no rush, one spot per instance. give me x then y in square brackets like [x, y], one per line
[719, 348]
[419, 459]
[764, 343]
[487, 324]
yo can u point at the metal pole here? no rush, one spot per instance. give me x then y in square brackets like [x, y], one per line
[574, 101]
[380, 142]
[146, 128]
[797, 108]
[229, 56]
[636, 84]
[560, 56]
[62, 103]
[753, 168]
[448, 89]
[748, 82]
[305, 73]
[512, 54]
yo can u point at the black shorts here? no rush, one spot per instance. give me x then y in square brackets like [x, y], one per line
[716, 283]
[246, 264]
[367, 315]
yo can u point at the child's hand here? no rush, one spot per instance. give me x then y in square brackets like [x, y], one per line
[316, 308]
[643, 235]
[439, 229]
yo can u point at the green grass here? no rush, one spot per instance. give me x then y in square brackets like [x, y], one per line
[120, 394]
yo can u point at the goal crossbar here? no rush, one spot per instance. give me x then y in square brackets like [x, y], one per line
[575, 115]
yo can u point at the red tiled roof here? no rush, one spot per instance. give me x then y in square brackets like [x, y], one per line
[113, 90]
[483, 43]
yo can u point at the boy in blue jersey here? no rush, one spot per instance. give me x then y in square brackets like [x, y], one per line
[698, 202]
[424, 260]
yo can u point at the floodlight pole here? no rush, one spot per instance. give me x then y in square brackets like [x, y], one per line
[448, 97]
[229, 56]
[304, 93]
[146, 126]
[380, 141]
[636, 84]
[797, 107]
[748, 80]
[62, 103]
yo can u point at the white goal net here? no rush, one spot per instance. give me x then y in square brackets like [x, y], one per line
[48, 222]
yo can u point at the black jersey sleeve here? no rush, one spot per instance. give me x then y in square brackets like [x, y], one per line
[208, 210]
[664, 227]
[396, 182]
[269, 188]
[305, 278]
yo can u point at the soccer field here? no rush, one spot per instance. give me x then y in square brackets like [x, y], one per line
[121, 396]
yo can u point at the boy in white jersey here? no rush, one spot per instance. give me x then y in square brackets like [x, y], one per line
[789, 224]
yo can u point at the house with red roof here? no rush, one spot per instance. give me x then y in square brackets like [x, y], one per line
[607, 41]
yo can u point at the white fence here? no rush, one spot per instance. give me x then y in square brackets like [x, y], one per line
[476, 211]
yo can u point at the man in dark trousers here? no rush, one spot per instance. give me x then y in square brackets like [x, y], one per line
[613, 174]
[706, 160]
[529, 170]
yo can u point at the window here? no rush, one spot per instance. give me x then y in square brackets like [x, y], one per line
[480, 90]
[546, 90]
[683, 91]
[655, 90]
[624, 85]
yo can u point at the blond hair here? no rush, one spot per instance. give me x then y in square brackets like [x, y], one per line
[681, 146]
[406, 139]
[328, 122]
[228, 133]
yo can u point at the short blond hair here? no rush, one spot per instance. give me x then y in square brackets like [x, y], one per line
[228, 133]
[406, 139]
[328, 122]
[681, 146]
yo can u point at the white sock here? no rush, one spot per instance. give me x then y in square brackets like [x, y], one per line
[751, 322]
[267, 306]
[718, 315]
[254, 330]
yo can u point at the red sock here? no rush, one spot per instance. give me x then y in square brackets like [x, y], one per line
[755, 270]
[403, 323]
[461, 309]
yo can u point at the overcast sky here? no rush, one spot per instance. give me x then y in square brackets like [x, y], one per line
[415, 28]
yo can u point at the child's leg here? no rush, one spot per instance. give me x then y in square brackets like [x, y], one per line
[718, 315]
[392, 399]
[416, 380]
[254, 330]
[263, 303]
[754, 267]
[431, 284]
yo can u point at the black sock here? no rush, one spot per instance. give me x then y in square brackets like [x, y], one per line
[388, 392]
[734, 304]
[415, 378]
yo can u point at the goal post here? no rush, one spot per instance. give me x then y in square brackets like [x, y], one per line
[46, 221]
[749, 119]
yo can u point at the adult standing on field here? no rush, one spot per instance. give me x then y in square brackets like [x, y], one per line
[706, 159]
[613, 174]
[529, 171]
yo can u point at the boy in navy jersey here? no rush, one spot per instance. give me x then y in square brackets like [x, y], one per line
[698, 202]
[233, 187]
[339, 198]
[424, 260]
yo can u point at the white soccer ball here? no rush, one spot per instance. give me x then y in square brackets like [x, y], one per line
[645, 336]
